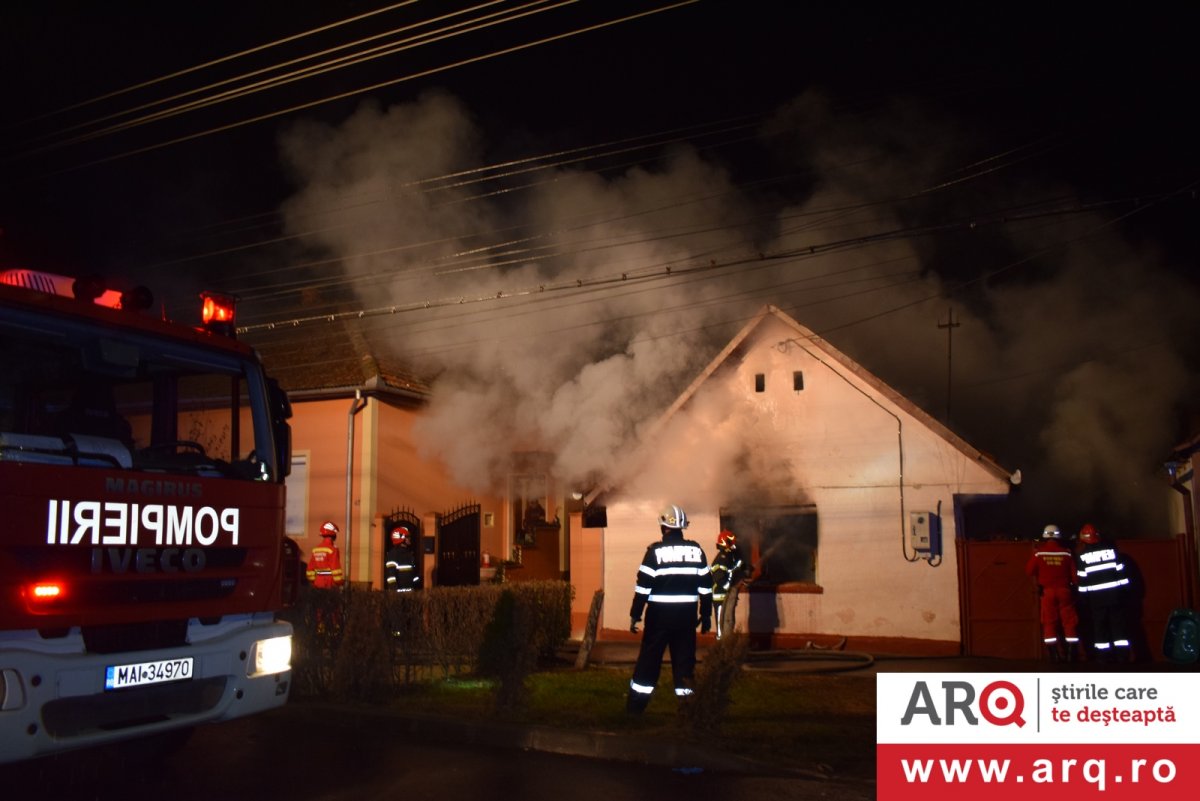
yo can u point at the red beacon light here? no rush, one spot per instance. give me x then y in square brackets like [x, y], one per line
[218, 312]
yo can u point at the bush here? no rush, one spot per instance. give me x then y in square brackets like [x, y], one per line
[509, 652]
[549, 604]
[404, 615]
[703, 710]
[358, 645]
[362, 670]
[453, 622]
[317, 634]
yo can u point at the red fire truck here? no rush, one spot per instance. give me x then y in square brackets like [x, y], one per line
[142, 553]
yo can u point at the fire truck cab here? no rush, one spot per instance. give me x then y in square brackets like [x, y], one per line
[142, 551]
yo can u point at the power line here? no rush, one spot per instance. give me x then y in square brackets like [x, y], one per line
[456, 29]
[657, 273]
[373, 87]
[221, 60]
[813, 218]
[773, 294]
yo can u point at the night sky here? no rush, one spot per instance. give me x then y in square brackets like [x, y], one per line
[1029, 167]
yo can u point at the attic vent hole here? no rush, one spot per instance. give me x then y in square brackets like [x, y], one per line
[760, 382]
[797, 380]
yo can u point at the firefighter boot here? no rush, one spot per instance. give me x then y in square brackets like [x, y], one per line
[636, 703]
[1052, 653]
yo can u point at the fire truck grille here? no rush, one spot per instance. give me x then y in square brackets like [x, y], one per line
[72, 717]
[135, 636]
[104, 580]
[159, 591]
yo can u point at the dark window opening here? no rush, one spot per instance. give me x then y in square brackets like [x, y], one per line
[797, 381]
[781, 542]
[760, 382]
[595, 516]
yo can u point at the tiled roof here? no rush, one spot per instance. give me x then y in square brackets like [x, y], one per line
[332, 356]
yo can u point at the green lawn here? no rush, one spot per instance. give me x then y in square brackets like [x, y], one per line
[791, 719]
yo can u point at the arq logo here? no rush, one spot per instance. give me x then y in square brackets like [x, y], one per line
[1001, 703]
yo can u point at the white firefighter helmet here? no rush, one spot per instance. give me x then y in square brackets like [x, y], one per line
[1051, 532]
[673, 517]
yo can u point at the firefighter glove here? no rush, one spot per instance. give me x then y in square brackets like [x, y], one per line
[633, 621]
[705, 625]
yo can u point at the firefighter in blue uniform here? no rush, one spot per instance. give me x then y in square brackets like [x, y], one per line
[672, 581]
[728, 568]
[1104, 586]
[400, 567]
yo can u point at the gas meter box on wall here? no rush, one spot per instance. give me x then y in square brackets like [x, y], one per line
[925, 532]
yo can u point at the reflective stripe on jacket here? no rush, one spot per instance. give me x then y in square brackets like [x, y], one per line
[1100, 569]
[673, 571]
[1052, 565]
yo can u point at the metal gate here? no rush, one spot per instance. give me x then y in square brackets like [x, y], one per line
[1000, 614]
[1000, 607]
[458, 547]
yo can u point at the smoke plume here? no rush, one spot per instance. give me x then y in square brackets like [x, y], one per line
[1060, 358]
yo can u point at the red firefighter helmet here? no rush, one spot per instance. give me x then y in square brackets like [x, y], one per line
[726, 539]
[400, 536]
[1088, 534]
[328, 529]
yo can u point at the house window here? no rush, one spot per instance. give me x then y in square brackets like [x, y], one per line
[760, 382]
[297, 496]
[797, 380]
[781, 542]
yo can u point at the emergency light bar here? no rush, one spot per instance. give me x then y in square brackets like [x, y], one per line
[217, 311]
[90, 289]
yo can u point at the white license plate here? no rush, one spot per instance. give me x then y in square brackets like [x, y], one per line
[117, 677]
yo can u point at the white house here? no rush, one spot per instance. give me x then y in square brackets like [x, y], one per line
[838, 486]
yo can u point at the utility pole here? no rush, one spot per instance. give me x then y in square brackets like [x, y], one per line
[950, 325]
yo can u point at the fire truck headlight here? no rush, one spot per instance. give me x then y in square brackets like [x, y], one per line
[270, 656]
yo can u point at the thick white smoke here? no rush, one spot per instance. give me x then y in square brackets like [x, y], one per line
[1062, 364]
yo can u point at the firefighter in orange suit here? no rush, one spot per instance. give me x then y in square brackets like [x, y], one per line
[1052, 566]
[325, 562]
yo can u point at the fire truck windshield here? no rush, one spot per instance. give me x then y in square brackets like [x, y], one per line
[74, 392]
